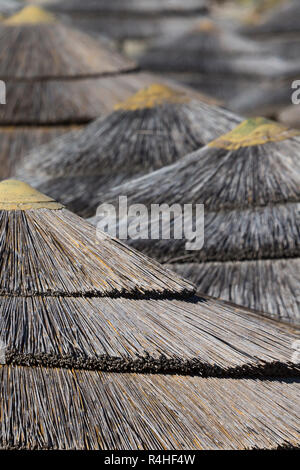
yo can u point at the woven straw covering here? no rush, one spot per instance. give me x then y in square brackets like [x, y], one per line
[248, 181]
[84, 318]
[154, 127]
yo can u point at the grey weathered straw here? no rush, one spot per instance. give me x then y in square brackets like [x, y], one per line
[52, 71]
[15, 142]
[130, 6]
[267, 285]
[82, 320]
[44, 48]
[56, 76]
[153, 128]
[221, 63]
[208, 49]
[94, 303]
[142, 19]
[63, 409]
[248, 181]
[267, 100]
[281, 20]
[50, 75]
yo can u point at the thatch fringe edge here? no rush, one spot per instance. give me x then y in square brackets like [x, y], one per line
[168, 294]
[148, 364]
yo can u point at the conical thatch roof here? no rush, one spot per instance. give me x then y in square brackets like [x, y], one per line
[268, 99]
[42, 48]
[16, 141]
[130, 6]
[44, 55]
[209, 49]
[153, 128]
[56, 76]
[248, 181]
[84, 318]
[131, 19]
[39, 57]
[281, 20]
[290, 116]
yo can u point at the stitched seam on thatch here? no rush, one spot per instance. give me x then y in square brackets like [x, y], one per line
[148, 364]
[50, 78]
[134, 295]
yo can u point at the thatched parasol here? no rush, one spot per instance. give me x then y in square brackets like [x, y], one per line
[40, 57]
[17, 141]
[131, 19]
[50, 63]
[210, 49]
[153, 128]
[248, 181]
[267, 100]
[290, 116]
[58, 76]
[284, 20]
[218, 61]
[84, 318]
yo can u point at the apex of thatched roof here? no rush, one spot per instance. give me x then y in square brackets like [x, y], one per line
[16, 195]
[255, 165]
[154, 95]
[157, 126]
[252, 132]
[30, 15]
[53, 49]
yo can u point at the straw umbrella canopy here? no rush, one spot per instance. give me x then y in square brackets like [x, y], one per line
[153, 128]
[283, 20]
[86, 320]
[131, 19]
[55, 76]
[217, 61]
[248, 181]
[210, 49]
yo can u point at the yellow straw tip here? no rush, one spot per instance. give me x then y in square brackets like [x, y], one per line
[16, 195]
[154, 95]
[30, 15]
[254, 131]
[205, 26]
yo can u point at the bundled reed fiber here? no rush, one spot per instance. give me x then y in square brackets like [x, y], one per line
[153, 128]
[281, 20]
[15, 142]
[33, 36]
[83, 319]
[208, 49]
[131, 19]
[253, 165]
[248, 181]
[266, 285]
[57, 76]
[85, 99]
[268, 99]
[290, 116]
[138, 7]
[108, 411]
[89, 301]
